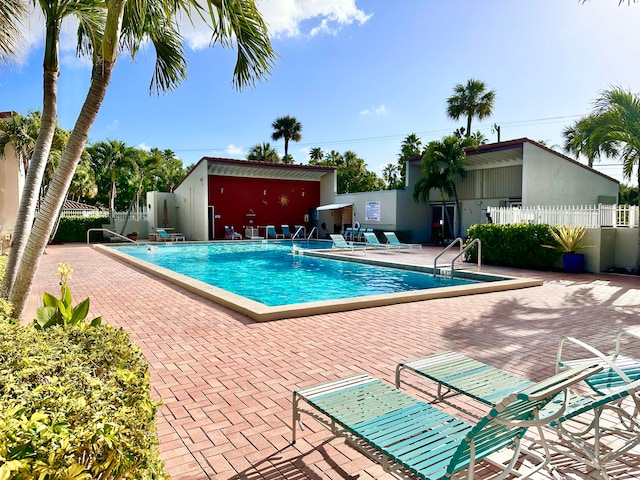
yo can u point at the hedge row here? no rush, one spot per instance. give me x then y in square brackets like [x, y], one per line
[518, 245]
[75, 404]
[75, 229]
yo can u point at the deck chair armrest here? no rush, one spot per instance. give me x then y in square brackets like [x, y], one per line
[609, 361]
[559, 382]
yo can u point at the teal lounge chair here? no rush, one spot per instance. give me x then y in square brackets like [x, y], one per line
[579, 433]
[168, 237]
[271, 232]
[341, 243]
[286, 233]
[393, 240]
[410, 437]
[372, 241]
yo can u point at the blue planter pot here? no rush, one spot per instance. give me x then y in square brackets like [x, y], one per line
[573, 262]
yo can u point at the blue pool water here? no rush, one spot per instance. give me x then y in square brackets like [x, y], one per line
[269, 273]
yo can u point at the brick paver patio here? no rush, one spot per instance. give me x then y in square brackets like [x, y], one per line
[226, 381]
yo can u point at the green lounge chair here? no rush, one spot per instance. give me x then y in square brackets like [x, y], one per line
[393, 240]
[579, 432]
[410, 437]
[372, 241]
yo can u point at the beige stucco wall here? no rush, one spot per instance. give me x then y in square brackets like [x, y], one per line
[626, 247]
[11, 184]
[551, 180]
[192, 198]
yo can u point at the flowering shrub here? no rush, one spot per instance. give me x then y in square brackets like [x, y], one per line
[60, 311]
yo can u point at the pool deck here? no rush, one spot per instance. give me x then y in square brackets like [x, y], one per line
[226, 381]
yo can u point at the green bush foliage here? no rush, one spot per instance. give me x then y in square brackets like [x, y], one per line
[75, 404]
[75, 229]
[519, 245]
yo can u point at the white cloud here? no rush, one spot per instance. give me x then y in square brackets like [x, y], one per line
[285, 18]
[379, 110]
[144, 146]
[233, 150]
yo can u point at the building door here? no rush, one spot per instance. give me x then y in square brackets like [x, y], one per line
[443, 217]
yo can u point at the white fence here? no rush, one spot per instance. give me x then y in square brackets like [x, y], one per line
[133, 216]
[591, 216]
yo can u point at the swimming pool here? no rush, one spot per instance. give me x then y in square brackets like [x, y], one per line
[177, 262]
[270, 273]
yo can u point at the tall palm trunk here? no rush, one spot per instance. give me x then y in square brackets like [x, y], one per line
[38, 161]
[59, 185]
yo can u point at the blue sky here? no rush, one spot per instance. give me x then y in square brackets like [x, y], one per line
[361, 76]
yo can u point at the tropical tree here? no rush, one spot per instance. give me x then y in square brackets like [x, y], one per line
[315, 156]
[578, 138]
[164, 172]
[471, 100]
[442, 165]
[21, 133]
[130, 24]
[411, 147]
[286, 127]
[391, 175]
[12, 14]
[109, 159]
[628, 195]
[263, 153]
[90, 16]
[612, 130]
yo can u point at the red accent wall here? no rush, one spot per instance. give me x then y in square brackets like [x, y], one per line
[274, 202]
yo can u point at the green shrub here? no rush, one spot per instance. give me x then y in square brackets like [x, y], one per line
[519, 245]
[75, 404]
[75, 229]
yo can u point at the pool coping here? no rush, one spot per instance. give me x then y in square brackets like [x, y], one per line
[263, 313]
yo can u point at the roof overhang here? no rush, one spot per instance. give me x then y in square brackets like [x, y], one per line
[251, 169]
[334, 206]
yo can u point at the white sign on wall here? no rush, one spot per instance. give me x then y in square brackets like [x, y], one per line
[372, 211]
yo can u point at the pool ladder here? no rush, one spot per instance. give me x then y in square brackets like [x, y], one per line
[463, 250]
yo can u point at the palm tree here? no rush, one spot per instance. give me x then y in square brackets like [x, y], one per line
[577, 140]
[286, 127]
[471, 100]
[263, 153]
[130, 24]
[315, 156]
[442, 165]
[90, 16]
[21, 133]
[411, 147]
[613, 130]
[108, 159]
[12, 13]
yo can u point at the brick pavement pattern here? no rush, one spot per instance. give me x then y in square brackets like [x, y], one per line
[226, 382]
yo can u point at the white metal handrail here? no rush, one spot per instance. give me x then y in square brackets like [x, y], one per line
[109, 231]
[310, 234]
[475, 241]
[298, 231]
[435, 261]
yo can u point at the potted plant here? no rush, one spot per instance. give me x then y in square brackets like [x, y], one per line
[568, 243]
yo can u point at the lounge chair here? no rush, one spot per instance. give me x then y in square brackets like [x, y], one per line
[341, 243]
[271, 232]
[411, 437]
[286, 233]
[372, 241]
[578, 433]
[393, 240]
[619, 369]
[168, 237]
